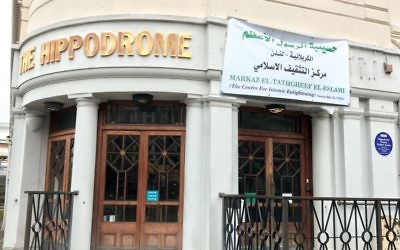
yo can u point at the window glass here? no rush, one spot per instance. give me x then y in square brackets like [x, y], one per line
[258, 120]
[121, 213]
[63, 119]
[162, 113]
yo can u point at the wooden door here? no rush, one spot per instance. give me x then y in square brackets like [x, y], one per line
[272, 166]
[141, 190]
[275, 167]
[118, 212]
[164, 175]
[288, 167]
[59, 163]
[58, 179]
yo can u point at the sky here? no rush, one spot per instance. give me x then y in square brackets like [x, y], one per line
[5, 55]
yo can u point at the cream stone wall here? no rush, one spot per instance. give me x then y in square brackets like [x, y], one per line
[373, 22]
[394, 15]
[345, 161]
[327, 18]
[58, 10]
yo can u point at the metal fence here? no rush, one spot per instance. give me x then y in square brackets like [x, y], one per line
[266, 222]
[48, 220]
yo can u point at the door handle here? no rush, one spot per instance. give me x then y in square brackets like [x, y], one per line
[308, 185]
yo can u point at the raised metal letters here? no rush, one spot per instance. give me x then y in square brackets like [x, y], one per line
[107, 44]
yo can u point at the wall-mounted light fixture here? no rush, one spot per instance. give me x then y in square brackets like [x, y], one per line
[142, 98]
[275, 108]
[53, 106]
[143, 101]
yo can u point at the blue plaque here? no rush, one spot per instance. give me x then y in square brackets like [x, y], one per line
[383, 143]
[152, 195]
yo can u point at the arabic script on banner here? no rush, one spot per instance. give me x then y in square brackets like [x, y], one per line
[264, 62]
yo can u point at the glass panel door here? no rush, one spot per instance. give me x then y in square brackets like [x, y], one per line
[163, 175]
[119, 191]
[269, 166]
[58, 179]
[163, 196]
[272, 167]
[252, 167]
[140, 204]
[287, 166]
[59, 163]
[121, 179]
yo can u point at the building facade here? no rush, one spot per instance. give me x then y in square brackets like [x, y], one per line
[122, 103]
[4, 143]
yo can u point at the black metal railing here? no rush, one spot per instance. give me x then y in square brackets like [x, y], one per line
[261, 222]
[48, 220]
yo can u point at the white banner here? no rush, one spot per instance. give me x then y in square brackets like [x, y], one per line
[265, 62]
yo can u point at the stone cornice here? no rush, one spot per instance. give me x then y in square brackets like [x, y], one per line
[214, 100]
[377, 94]
[319, 115]
[350, 113]
[117, 72]
[381, 116]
